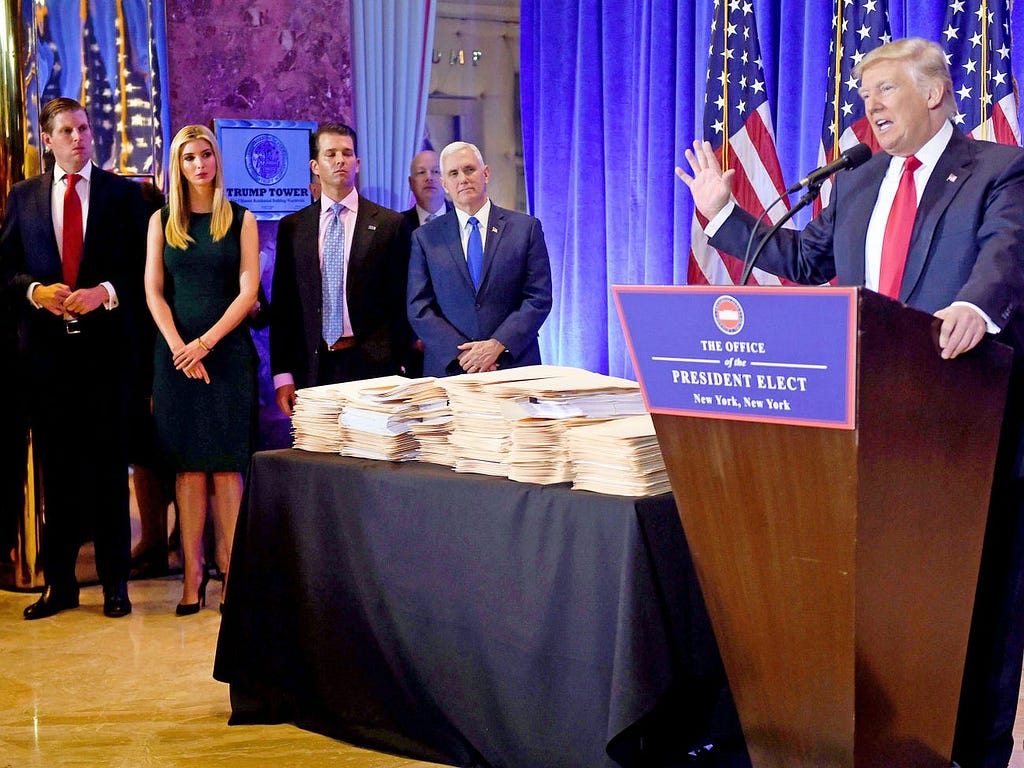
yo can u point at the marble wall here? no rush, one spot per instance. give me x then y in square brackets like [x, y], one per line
[259, 59]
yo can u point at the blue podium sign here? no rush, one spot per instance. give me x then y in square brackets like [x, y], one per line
[779, 354]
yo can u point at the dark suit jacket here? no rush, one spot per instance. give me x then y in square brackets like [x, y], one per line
[374, 290]
[511, 305]
[79, 385]
[967, 244]
[113, 251]
[413, 218]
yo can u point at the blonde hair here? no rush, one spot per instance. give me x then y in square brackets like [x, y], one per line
[176, 231]
[927, 64]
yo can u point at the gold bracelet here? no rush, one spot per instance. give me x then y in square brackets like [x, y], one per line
[203, 344]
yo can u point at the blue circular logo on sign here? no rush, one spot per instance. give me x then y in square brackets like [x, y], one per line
[266, 159]
[728, 314]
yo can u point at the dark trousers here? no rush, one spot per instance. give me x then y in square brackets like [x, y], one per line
[348, 365]
[995, 648]
[80, 436]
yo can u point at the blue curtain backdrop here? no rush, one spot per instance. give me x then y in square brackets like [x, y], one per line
[612, 93]
[391, 42]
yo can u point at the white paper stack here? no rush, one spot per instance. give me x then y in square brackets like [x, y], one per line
[315, 418]
[432, 421]
[620, 457]
[481, 436]
[377, 420]
[541, 411]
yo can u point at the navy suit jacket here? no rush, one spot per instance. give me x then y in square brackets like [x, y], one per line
[967, 243]
[113, 251]
[374, 291]
[511, 304]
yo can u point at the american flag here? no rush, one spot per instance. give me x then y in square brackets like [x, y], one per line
[976, 38]
[738, 124]
[101, 100]
[858, 26]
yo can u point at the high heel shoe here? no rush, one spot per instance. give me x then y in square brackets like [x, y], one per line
[190, 609]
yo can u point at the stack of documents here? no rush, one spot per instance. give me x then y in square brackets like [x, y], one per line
[315, 418]
[357, 418]
[541, 411]
[619, 457]
[378, 420]
[481, 437]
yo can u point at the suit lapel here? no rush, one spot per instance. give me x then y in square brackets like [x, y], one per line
[365, 227]
[495, 229]
[858, 204]
[947, 178]
[97, 193]
[453, 236]
[44, 205]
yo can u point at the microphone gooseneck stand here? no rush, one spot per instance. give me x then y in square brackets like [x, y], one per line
[749, 260]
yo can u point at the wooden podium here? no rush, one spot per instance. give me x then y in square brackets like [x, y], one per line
[839, 565]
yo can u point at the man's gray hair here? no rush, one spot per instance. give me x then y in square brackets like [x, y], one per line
[455, 146]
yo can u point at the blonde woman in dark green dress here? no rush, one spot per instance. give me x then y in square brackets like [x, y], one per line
[202, 277]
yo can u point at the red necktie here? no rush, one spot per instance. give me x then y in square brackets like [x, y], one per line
[71, 255]
[898, 229]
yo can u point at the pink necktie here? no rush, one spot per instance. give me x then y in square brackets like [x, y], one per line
[898, 229]
[71, 254]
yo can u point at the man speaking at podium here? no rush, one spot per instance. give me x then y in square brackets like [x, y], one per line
[937, 222]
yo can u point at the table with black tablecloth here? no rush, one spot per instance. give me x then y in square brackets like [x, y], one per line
[467, 619]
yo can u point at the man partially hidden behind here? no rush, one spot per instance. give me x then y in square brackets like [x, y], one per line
[71, 244]
[479, 277]
[431, 203]
[935, 221]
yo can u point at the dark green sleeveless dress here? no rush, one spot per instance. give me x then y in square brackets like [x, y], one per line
[206, 427]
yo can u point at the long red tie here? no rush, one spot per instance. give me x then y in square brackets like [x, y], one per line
[898, 229]
[71, 254]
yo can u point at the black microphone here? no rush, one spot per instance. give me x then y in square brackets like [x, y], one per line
[851, 158]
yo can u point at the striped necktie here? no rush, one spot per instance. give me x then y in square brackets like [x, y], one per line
[333, 279]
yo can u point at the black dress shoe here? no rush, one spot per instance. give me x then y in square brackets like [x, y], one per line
[50, 602]
[115, 600]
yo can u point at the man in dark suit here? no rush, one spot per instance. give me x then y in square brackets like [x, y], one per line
[72, 243]
[428, 192]
[370, 333]
[479, 277]
[961, 258]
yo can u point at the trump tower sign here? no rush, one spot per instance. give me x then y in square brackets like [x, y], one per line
[266, 164]
[781, 354]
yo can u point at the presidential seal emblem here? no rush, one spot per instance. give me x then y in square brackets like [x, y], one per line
[728, 314]
[266, 159]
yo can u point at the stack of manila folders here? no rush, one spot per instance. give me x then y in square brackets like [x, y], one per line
[540, 424]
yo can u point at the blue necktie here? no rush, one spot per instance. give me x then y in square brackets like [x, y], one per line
[333, 279]
[475, 251]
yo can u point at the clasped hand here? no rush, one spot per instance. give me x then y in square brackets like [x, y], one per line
[480, 356]
[188, 359]
[60, 299]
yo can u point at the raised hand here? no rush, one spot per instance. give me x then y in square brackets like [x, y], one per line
[710, 186]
